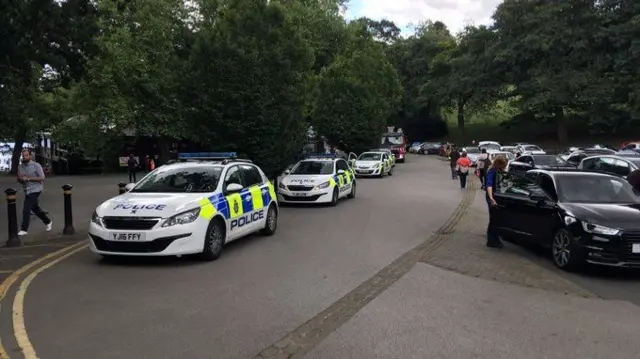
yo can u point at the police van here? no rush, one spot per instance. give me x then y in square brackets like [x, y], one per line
[320, 178]
[192, 206]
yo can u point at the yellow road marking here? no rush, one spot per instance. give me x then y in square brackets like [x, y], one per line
[8, 282]
[6, 271]
[16, 257]
[60, 244]
[19, 328]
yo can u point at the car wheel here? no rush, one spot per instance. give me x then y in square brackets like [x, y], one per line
[214, 240]
[563, 249]
[334, 198]
[352, 194]
[271, 224]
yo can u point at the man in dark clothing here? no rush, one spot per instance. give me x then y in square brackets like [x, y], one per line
[453, 158]
[483, 164]
[132, 166]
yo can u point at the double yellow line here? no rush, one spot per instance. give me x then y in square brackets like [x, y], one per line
[40, 265]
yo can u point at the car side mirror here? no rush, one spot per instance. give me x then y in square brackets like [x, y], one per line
[233, 188]
[341, 172]
[286, 172]
[129, 186]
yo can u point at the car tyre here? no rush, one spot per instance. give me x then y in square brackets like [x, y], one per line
[564, 251]
[214, 240]
[334, 198]
[271, 223]
[352, 194]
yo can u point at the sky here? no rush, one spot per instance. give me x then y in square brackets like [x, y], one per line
[454, 13]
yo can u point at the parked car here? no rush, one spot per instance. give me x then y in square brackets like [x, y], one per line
[473, 153]
[415, 147]
[525, 163]
[512, 149]
[577, 156]
[531, 150]
[582, 217]
[616, 165]
[430, 148]
[490, 146]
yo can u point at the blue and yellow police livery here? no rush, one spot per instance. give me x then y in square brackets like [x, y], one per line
[322, 178]
[373, 164]
[192, 206]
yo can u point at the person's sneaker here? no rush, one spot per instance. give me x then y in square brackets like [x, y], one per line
[49, 226]
[22, 233]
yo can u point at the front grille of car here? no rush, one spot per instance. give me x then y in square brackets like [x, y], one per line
[129, 223]
[301, 199]
[155, 246]
[632, 237]
[299, 188]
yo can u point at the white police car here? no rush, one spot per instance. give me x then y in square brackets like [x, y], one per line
[193, 206]
[322, 178]
[373, 163]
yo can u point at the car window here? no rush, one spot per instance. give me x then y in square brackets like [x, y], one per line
[602, 189]
[547, 185]
[180, 179]
[511, 184]
[525, 159]
[589, 163]
[549, 160]
[233, 176]
[630, 146]
[342, 165]
[369, 156]
[251, 175]
[621, 168]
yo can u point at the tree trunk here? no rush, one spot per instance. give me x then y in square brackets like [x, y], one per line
[20, 137]
[561, 123]
[461, 115]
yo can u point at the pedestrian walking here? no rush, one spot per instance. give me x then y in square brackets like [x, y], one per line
[482, 165]
[31, 176]
[499, 164]
[454, 155]
[463, 164]
[132, 166]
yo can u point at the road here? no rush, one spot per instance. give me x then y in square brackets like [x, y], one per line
[257, 292]
[88, 191]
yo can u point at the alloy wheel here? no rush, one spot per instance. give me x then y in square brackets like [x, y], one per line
[561, 249]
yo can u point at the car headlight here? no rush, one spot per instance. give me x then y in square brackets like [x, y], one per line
[182, 218]
[598, 229]
[376, 165]
[323, 185]
[95, 219]
[282, 186]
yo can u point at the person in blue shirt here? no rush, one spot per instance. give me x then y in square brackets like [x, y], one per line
[491, 186]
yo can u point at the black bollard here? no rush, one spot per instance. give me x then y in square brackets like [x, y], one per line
[121, 186]
[12, 218]
[68, 213]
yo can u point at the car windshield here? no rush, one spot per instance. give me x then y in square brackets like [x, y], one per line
[599, 151]
[370, 156]
[531, 148]
[313, 168]
[491, 146]
[198, 179]
[392, 140]
[510, 156]
[601, 189]
[549, 161]
[472, 150]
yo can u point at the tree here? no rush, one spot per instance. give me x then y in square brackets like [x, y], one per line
[358, 93]
[39, 37]
[384, 30]
[245, 89]
[545, 50]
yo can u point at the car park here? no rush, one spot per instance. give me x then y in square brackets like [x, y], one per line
[321, 178]
[583, 217]
[193, 206]
[373, 164]
[616, 165]
[526, 163]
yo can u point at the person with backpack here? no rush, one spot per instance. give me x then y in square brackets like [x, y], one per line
[463, 164]
[482, 166]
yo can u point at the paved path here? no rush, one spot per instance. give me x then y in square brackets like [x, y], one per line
[260, 289]
[89, 191]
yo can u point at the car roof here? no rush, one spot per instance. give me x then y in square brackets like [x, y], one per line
[570, 172]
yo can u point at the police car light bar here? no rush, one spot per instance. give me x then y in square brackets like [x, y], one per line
[322, 155]
[206, 155]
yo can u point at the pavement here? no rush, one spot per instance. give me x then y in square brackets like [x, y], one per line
[399, 272]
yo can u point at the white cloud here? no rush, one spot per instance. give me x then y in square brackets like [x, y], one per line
[454, 13]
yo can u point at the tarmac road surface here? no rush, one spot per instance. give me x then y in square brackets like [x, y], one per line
[259, 290]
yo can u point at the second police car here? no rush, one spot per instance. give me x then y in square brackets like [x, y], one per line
[374, 164]
[322, 178]
[193, 206]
